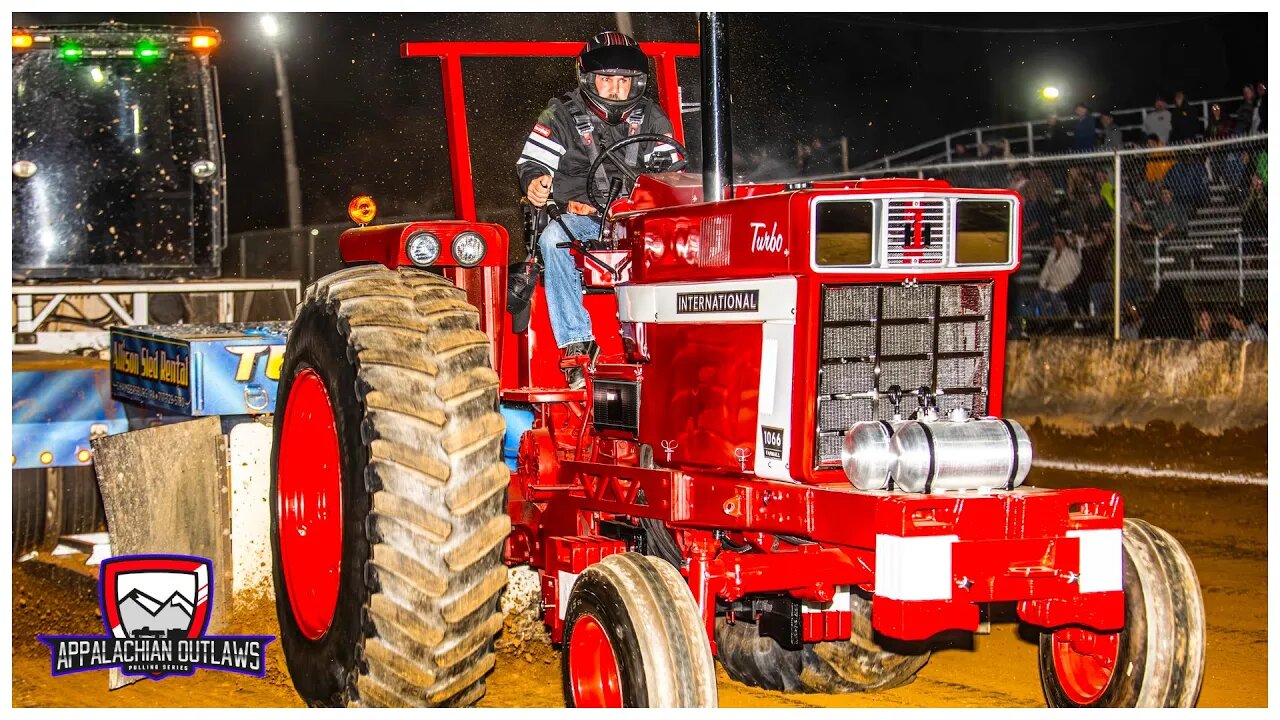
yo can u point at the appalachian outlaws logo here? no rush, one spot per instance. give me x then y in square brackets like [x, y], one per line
[156, 610]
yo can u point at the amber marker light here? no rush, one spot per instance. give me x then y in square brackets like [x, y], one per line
[204, 42]
[46, 457]
[83, 456]
[362, 209]
[21, 41]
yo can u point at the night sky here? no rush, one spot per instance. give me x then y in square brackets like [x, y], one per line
[368, 121]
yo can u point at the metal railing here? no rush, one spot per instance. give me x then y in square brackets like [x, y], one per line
[1022, 136]
[269, 253]
[1162, 236]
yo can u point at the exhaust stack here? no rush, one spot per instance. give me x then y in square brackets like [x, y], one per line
[717, 138]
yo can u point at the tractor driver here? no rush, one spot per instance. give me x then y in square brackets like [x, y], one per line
[607, 106]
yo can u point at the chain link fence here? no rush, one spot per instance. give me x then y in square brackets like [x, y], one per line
[1164, 241]
[1178, 235]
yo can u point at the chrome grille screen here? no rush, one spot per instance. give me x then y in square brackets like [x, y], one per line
[875, 337]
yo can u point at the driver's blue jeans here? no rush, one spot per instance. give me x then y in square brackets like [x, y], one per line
[569, 319]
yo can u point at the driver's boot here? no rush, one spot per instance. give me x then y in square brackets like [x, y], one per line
[573, 374]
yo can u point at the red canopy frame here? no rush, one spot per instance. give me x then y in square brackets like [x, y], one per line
[455, 110]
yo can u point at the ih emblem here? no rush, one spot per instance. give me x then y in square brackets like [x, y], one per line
[920, 236]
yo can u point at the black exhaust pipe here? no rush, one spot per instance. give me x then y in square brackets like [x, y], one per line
[717, 138]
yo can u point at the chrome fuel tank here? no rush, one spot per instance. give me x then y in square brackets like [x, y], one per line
[991, 453]
[866, 456]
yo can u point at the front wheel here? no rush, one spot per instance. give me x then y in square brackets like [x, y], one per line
[387, 494]
[1157, 659]
[634, 638]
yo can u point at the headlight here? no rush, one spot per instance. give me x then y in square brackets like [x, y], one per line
[468, 248]
[423, 248]
[203, 169]
[24, 169]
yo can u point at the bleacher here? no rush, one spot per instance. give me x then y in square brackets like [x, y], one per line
[1218, 262]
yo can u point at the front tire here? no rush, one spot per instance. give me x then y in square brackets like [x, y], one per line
[1157, 660]
[634, 638]
[387, 477]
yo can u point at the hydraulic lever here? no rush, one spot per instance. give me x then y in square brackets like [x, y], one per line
[553, 210]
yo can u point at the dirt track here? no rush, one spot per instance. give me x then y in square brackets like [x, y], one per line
[1222, 526]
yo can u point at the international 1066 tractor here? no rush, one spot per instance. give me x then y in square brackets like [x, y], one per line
[788, 456]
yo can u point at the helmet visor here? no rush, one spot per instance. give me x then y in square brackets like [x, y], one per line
[607, 87]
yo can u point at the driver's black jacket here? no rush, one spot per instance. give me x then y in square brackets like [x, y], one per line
[567, 138]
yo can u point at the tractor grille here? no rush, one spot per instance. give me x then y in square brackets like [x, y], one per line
[877, 336]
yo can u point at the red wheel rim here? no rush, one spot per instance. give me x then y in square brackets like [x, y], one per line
[1085, 661]
[309, 498]
[593, 668]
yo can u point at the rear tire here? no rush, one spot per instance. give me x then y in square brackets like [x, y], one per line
[856, 665]
[80, 507]
[28, 490]
[422, 520]
[49, 503]
[1157, 660]
[634, 638]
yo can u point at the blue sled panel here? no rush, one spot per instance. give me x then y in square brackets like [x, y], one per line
[59, 402]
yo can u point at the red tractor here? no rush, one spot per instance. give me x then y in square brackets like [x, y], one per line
[789, 454]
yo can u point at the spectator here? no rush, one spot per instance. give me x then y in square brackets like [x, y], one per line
[1253, 213]
[1159, 122]
[1229, 166]
[1093, 268]
[1112, 138]
[1262, 107]
[1061, 268]
[1088, 210]
[1174, 319]
[1058, 141]
[1136, 221]
[1132, 277]
[1080, 181]
[1185, 125]
[1107, 189]
[1242, 326]
[1189, 182]
[1131, 322]
[1220, 126]
[1168, 217]
[1039, 210]
[1158, 163]
[1086, 131]
[1204, 325]
[1246, 117]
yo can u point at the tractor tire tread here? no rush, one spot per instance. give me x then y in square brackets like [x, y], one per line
[436, 519]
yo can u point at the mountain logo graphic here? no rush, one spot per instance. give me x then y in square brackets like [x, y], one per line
[156, 596]
[155, 609]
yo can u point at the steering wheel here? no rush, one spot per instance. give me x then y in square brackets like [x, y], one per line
[622, 166]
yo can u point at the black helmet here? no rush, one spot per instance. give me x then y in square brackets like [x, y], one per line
[612, 53]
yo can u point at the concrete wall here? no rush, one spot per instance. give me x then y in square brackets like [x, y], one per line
[1077, 383]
